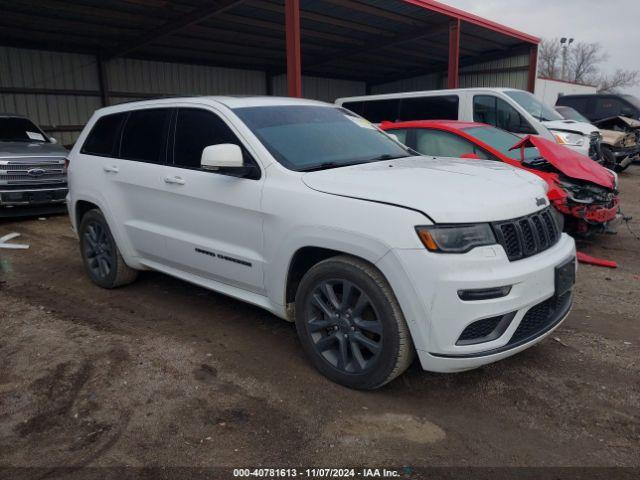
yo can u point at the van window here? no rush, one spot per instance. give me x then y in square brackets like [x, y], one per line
[375, 111]
[444, 144]
[195, 130]
[494, 111]
[144, 135]
[429, 108]
[104, 136]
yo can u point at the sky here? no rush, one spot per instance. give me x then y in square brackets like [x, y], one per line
[613, 23]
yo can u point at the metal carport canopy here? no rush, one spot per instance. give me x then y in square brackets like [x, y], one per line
[374, 41]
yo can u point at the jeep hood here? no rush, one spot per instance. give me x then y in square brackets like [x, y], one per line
[31, 149]
[446, 190]
[569, 162]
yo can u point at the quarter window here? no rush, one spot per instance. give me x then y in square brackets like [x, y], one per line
[103, 138]
[144, 135]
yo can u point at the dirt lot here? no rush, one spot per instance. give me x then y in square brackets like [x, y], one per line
[163, 373]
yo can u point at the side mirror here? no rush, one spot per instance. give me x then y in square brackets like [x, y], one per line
[224, 155]
[394, 136]
[53, 140]
[470, 155]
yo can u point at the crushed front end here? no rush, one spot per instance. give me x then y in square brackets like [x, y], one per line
[588, 208]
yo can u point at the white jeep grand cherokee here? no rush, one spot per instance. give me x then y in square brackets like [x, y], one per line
[310, 212]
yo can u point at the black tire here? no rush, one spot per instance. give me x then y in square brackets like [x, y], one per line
[608, 159]
[102, 259]
[369, 321]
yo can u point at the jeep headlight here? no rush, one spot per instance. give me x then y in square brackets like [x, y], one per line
[567, 138]
[456, 238]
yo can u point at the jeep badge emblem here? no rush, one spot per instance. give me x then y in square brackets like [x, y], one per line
[541, 201]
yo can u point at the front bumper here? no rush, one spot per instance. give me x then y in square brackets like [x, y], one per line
[437, 316]
[32, 197]
[592, 214]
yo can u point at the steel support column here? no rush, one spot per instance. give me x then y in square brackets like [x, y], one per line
[103, 81]
[294, 62]
[533, 68]
[454, 54]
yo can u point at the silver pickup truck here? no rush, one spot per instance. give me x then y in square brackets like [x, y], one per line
[33, 174]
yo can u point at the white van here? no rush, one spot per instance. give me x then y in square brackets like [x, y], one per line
[516, 111]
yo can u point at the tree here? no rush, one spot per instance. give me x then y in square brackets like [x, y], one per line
[583, 65]
[549, 59]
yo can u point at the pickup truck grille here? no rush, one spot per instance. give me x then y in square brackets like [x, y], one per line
[36, 172]
[527, 236]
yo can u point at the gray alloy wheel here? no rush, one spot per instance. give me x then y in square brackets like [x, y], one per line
[350, 324]
[102, 259]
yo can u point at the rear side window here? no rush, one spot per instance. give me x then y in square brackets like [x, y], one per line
[104, 136]
[429, 108]
[444, 144]
[144, 135]
[195, 130]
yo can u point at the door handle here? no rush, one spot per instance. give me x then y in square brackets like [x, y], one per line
[174, 180]
[111, 169]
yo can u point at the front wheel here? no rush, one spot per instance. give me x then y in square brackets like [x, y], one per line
[350, 324]
[102, 259]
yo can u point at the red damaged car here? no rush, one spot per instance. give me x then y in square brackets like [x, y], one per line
[581, 189]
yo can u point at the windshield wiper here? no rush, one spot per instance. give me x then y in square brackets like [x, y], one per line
[325, 166]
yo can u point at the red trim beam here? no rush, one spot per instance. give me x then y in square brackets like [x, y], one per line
[294, 60]
[453, 74]
[474, 19]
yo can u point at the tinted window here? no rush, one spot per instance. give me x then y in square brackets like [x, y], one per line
[444, 144]
[195, 130]
[310, 137]
[17, 129]
[494, 111]
[356, 107]
[429, 108]
[608, 107]
[144, 135]
[103, 138]
[579, 103]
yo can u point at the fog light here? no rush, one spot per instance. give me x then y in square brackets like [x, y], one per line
[484, 293]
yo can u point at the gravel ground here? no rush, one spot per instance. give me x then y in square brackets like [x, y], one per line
[163, 373]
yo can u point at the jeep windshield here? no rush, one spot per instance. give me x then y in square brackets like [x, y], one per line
[308, 137]
[17, 129]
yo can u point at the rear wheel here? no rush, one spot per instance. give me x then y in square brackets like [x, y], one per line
[102, 259]
[350, 324]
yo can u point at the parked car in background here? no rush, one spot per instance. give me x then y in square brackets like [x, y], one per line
[316, 215]
[509, 109]
[620, 144]
[582, 190]
[600, 106]
[33, 177]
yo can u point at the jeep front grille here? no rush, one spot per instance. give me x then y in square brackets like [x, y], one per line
[527, 236]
